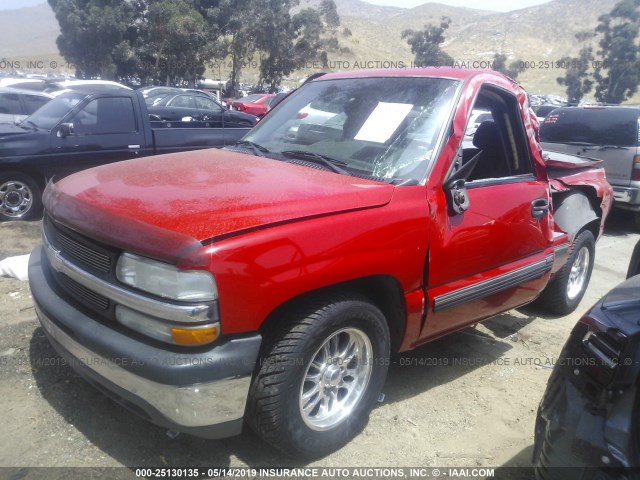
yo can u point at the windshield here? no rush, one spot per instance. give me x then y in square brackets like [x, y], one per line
[593, 126]
[382, 128]
[50, 114]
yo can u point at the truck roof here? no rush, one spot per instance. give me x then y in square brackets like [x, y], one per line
[442, 72]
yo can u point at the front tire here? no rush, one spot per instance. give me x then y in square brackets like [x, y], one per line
[563, 294]
[20, 197]
[320, 375]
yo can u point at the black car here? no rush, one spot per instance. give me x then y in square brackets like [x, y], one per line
[177, 104]
[17, 104]
[588, 417]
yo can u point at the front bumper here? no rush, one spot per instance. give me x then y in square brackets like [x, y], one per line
[627, 198]
[202, 393]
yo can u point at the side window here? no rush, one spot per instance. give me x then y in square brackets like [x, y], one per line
[10, 103]
[104, 116]
[205, 103]
[34, 102]
[496, 135]
[183, 101]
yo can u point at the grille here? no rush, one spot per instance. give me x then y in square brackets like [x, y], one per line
[83, 293]
[80, 251]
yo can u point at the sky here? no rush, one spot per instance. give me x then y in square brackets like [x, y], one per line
[498, 5]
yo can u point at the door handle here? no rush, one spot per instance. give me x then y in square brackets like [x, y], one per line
[539, 207]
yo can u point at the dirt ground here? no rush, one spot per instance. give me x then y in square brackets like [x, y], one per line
[467, 400]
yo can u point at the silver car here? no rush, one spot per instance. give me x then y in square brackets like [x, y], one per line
[17, 104]
[608, 133]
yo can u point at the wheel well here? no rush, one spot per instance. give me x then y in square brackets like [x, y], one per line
[382, 291]
[39, 179]
[576, 210]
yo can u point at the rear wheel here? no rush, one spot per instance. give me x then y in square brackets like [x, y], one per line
[20, 197]
[564, 292]
[320, 376]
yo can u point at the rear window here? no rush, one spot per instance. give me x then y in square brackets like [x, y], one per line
[597, 126]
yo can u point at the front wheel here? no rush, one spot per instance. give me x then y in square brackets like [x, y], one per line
[20, 197]
[564, 292]
[320, 376]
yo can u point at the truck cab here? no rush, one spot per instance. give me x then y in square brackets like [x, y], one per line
[269, 282]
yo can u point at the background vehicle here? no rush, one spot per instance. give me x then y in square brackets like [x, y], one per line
[34, 84]
[477, 117]
[275, 277]
[83, 128]
[178, 104]
[63, 85]
[611, 134]
[543, 110]
[16, 104]
[254, 104]
[588, 415]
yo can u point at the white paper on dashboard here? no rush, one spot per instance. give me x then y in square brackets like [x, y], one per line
[383, 121]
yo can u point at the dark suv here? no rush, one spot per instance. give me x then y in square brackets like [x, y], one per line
[608, 133]
[588, 417]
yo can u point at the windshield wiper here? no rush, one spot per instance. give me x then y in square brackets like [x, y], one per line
[20, 124]
[258, 150]
[333, 164]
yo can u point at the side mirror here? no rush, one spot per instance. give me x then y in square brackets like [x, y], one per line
[65, 130]
[458, 198]
[455, 186]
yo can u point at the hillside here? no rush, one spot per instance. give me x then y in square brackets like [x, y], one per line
[28, 32]
[536, 34]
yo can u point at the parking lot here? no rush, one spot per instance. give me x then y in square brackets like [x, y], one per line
[467, 400]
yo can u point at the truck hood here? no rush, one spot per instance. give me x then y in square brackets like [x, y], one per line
[17, 141]
[203, 195]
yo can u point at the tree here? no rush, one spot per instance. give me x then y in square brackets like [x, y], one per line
[91, 31]
[426, 44]
[177, 40]
[617, 74]
[234, 19]
[500, 65]
[577, 78]
[288, 42]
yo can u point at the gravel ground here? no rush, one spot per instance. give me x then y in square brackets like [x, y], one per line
[467, 400]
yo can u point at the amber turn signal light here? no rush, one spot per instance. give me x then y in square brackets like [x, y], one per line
[194, 336]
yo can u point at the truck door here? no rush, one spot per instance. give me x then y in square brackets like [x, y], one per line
[494, 253]
[104, 130]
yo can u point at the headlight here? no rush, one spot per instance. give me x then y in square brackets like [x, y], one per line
[165, 331]
[166, 280]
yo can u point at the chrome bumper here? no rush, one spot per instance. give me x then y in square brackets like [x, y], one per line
[189, 406]
[202, 392]
[627, 197]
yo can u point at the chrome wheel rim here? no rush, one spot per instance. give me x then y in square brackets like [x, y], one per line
[578, 273]
[16, 199]
[336, 379]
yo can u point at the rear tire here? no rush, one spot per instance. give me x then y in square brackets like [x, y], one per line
[20, 197]
[319, 376]
[563, 294]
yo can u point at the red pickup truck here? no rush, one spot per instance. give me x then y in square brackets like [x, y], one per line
[270, 282]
